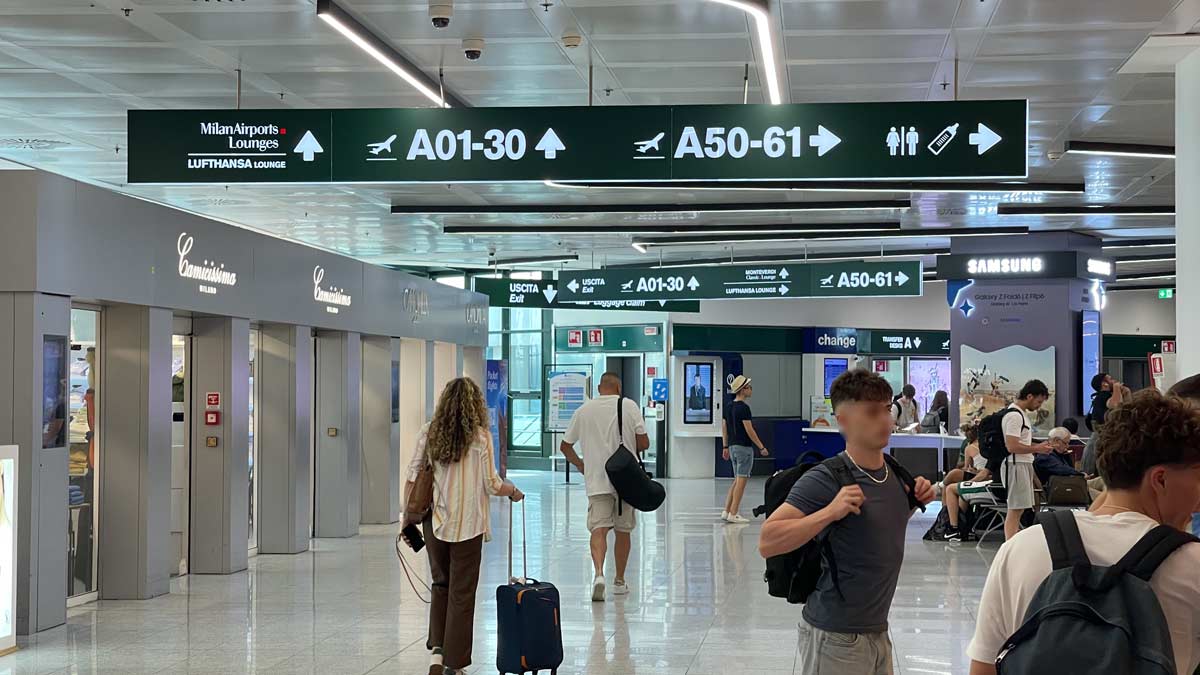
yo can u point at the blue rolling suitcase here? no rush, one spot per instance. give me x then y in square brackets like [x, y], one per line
[529, 636]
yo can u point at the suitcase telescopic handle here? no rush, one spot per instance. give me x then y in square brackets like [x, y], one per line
[512, 528]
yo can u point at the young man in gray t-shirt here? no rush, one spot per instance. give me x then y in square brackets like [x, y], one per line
[846, 632]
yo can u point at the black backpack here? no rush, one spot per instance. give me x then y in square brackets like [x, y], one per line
[1109, 616]
[794, 575]
[991, 438]
[628, 474]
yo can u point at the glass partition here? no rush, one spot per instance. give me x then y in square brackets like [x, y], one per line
[83, 453]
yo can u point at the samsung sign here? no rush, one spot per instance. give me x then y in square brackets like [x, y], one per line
[1024, 265]
[1049, 265]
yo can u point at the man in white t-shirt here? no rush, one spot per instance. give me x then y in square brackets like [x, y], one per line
[904, 408]
[1016, 473]
[594, 427]
[1150, 459]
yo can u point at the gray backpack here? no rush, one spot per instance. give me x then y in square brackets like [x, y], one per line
[931, 422]
[1109, 617]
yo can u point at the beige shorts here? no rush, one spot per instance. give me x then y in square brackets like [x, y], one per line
[602, 512]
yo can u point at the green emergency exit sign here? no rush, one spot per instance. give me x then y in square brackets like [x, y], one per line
[1166, 293]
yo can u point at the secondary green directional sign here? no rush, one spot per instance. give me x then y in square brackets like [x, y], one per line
[542, 294]
[816, 141]
[717, 282]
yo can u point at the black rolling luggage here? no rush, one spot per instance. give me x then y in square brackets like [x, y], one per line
[529, 635]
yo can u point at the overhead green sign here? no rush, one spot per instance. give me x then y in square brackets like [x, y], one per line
[903, 342]
[543, 294]
[715, 282]
[816, 141]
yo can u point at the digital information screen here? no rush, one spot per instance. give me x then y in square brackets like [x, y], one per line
[698, 383]
[1089, 354]
[833, 368]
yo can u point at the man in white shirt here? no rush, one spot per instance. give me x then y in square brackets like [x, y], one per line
[594, 427]
[1150, 459]
[1016, 473]
[904, 408]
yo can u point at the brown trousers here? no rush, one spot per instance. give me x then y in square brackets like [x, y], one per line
[455, 570]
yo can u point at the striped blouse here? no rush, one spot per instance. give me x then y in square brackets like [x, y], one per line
[461, 510]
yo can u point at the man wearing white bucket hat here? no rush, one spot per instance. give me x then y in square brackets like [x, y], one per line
[740, 441]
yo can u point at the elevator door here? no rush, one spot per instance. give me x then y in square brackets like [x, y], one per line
[181, 456]
[629, 368]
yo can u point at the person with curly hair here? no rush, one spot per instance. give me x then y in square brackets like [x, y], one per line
[458, 445]
[1149, 456]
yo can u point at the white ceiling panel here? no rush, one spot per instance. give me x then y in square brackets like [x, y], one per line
[510, 22]
[255, 27]
[867, 46]
[1014, 70]
[139, 59]
[696, 17]
[868, 15]
[655, 50]
[14, 84]
[879, 72]
[1079, 43]
[1080, 12]
[86, 29]
[681, 76]
[213, 82]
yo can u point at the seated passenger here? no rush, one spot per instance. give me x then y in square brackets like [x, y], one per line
[1149, 455]
[952, 498]
[1060, 461]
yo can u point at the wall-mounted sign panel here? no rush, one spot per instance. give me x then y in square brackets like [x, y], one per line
[607, 339]
[904, 342]
[815, 141]
[543, 294]
[1049, 265]
[716, 282]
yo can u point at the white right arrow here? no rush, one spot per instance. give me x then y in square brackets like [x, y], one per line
[984, 139]
[824, 140]
[550, 144]
[901, 278]
[550, 293]
[574, 285]
[693, 284]
[783, 289]
[308, 145]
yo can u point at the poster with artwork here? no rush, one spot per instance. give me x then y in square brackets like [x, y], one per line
[929, 376]
[496, 394]
[992, 380]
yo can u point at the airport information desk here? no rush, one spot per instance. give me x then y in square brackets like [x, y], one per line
[928, 455]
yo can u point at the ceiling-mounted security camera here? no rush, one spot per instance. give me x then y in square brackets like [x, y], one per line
[572, 39]
[473, 48]
[440, 12]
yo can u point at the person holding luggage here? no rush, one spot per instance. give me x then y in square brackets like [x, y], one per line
[737, 431]
[1150, 459]
[594, 427]
[457, 444]
[845, 619]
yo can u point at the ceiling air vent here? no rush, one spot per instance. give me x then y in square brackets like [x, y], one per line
[30, 144]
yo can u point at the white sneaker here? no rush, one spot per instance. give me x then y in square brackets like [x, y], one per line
[725, 516]
[620, 587]
[738, 519]
[598, 589]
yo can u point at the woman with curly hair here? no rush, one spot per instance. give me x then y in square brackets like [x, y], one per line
[457, 444]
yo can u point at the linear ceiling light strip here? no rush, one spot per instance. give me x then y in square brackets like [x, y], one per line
[826, 186]
[649, 229]
[739, 207]
[925, 233]
[1120, 149]
[1137, 243]
[536, 260]
[766, 43]
[344, 23]
[1091, 210]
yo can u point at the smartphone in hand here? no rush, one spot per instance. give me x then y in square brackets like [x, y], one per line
[412, 537]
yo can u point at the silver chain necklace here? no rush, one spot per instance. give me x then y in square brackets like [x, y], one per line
[887, 471]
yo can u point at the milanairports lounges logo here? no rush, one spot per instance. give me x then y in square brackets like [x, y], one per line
[210, 272]
[332, 297]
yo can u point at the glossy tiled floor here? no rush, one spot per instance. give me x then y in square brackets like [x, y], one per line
[698, 606]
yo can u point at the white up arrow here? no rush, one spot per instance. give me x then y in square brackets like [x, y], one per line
[550, 293]
[550, 144]
[824, 140]
[984, 138]
[308, 146]
[784, 274]
[693, 284]
[574, 285]
[901, 278]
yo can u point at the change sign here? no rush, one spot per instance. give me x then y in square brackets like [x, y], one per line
[851, 279]
[543, 294]
[816, 141]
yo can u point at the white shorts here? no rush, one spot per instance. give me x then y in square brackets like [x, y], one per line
[603, 512]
